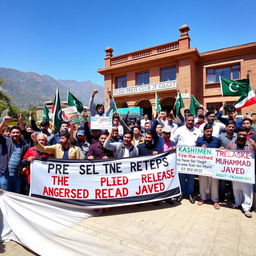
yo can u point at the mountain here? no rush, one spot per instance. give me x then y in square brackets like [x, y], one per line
[29, 87]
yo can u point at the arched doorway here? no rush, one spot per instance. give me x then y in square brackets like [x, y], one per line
[121, 105]
[146, 107]
[167, 104]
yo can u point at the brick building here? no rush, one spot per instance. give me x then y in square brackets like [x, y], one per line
[134, 78]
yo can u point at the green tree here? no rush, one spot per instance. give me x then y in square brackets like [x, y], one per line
[5, 101]
[32, 107]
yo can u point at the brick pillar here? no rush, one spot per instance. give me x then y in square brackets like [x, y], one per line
[109, 55]
[184, 40]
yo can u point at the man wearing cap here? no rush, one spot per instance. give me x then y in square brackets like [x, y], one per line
[64, 150]
[81, 142]
[168, 144]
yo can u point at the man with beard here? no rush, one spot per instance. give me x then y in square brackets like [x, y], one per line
[231, 110]
[217, 127]
[64, 150]
[247, 122]
[243, 192]
[147, 127]
[208, 185]
[12, 150]
[225, 186]
[148, 147]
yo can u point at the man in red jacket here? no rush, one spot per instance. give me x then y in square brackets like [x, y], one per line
[30, 155]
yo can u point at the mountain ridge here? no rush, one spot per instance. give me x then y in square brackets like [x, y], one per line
[31, 87]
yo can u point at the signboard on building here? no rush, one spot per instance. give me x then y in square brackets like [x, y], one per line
[167, 85]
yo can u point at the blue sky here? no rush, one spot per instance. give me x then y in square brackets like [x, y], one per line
[66, 39]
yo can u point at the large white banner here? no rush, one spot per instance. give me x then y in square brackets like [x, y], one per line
[106, 183]
[234, 165]
[52, 228]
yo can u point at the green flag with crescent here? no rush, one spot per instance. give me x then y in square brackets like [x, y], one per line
[234, 88]
[179, 104]
[45, 113]
[194, 103]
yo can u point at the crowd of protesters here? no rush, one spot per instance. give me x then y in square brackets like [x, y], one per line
[131, 137]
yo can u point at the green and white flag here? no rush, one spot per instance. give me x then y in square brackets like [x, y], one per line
[179, 104]
[45, 113]
[193, 105]
[157, 103]
[234, 88]
[240, 88]
[74, 102]
[56, 111]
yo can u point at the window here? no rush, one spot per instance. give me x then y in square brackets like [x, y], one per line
[142, 78]
[121, 82]
[213, 74]
[168, 74]
[214, 106]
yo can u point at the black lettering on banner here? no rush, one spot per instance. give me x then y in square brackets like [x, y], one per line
[50, 167]
[82, 170]
[113, 168]
[59, 168]
[165, 162]
[88, 169]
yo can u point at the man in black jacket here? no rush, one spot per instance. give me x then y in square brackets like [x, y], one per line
[13, 149]
[148, 147]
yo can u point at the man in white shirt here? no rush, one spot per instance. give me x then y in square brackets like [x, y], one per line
[145, 120]
[217, 127]
[186, 135]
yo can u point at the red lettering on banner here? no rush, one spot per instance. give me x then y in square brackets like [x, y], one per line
[158, 176]
[152, 188]
[230, 154]
[113, 181]
[110, 193]
[66, 193]
[60, 180]
[233, 170]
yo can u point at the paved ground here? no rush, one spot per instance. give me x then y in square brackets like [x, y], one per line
[165, 229]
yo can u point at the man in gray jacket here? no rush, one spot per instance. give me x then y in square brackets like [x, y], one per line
[121, 149]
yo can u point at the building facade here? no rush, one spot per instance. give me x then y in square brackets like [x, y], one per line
[135, 78]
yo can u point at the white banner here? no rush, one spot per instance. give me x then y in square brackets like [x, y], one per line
[101, 122]
[101, 184]
[52, 228]
[234, 165]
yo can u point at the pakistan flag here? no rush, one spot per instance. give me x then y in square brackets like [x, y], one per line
[240, 88]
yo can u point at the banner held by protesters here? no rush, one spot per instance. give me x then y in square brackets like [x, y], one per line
[101, 184]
